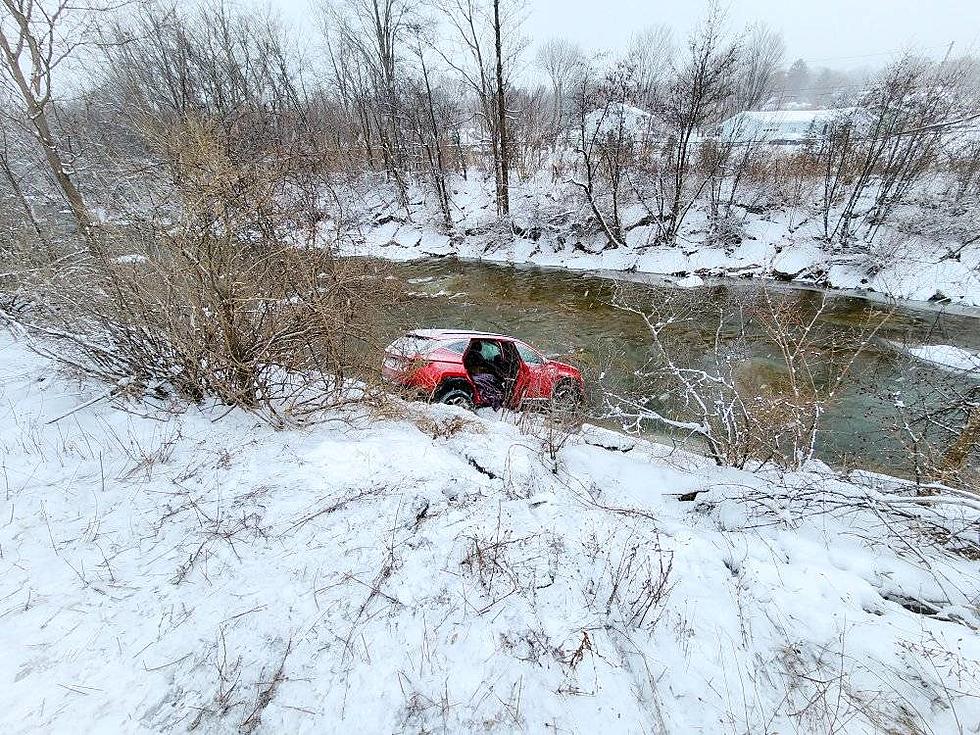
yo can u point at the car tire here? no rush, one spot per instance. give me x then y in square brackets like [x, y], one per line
[566, 395]
[454, 396]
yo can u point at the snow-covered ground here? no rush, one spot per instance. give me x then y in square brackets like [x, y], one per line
[425, 570]
[784, 244]
[953, 358]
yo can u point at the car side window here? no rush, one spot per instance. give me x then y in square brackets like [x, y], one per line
[529, 356]
[456, 347]
[490, 351]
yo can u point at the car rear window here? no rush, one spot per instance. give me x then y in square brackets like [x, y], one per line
[412, 344]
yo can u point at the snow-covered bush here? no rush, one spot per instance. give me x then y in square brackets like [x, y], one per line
[745, 409]
[554, 422]
[236, 298]
[635, 580]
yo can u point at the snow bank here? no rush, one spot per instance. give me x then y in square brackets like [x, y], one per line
[948, 356]
[786, 244]
[430, 573]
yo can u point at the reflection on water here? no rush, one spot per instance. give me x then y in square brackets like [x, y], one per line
[571, 314]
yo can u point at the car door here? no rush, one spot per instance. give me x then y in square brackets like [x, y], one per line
[480, 357]
[535, 381]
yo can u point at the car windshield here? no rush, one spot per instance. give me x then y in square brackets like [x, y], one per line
[528, 355]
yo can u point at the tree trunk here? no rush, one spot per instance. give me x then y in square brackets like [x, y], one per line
[438, 165]
[37, 114]
[503, 202]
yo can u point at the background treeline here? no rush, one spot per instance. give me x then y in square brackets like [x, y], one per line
[406, 95]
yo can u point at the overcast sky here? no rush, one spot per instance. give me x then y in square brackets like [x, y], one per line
[837, 33]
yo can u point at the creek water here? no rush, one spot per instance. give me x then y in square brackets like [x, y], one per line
[571, 315]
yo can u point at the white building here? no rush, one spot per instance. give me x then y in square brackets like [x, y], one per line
[792, 127]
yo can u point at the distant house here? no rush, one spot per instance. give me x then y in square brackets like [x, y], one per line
[777, 127]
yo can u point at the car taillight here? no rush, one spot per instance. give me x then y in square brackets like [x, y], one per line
[394, 362]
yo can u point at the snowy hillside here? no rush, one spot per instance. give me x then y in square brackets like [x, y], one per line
[426, 571]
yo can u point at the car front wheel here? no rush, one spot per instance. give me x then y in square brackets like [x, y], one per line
[566, 395]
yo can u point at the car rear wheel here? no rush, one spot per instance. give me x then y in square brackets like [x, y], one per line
[454, 396]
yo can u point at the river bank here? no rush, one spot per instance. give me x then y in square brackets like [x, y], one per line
[930, 260]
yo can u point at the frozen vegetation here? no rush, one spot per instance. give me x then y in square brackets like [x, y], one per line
[432, 570]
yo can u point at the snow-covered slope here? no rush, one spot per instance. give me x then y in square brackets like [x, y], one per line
[428, 572]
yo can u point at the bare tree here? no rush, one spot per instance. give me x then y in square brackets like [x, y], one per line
[727, 160]
[650, 53]
[430, 133]
[698, 94]
[477, 27]
[529, 128]
[36, 39]
[610, 128]
[503, 193]
[377, 31]
[760, 58]
[561, 60]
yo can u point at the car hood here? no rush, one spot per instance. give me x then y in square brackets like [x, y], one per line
[563, 367]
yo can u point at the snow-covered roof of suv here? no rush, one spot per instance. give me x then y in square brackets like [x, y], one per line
[444, 334]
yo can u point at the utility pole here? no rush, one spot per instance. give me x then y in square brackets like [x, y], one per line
[949, 52]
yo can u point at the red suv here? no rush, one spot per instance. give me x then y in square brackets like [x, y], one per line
[476, 369]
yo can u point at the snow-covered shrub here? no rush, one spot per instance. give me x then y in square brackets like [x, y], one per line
[504, 564]
[746, 408]
[235, 299]
[554, 421]
[632, 587]
[725, 231]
